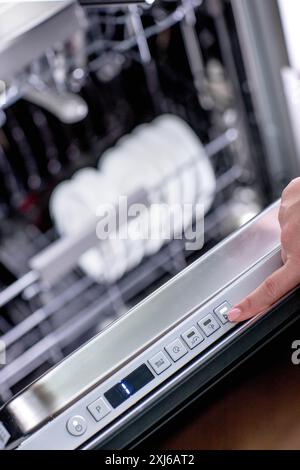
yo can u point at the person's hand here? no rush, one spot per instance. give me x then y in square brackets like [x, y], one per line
[287, 277]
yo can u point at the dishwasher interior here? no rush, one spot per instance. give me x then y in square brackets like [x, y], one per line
[120, 66]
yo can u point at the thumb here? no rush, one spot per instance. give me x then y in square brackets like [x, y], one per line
[268, 293]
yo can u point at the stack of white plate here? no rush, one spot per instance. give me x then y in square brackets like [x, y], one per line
[165, 158]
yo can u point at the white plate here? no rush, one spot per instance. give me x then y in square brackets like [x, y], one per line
[131, 170]
[121, 167]
[183, 130]
[182, 156]
[128, 168]
[205, 176]
[75, 204]
[157, 151]
[65, 205]
[95, 189]
[187, 170]
[70, 214]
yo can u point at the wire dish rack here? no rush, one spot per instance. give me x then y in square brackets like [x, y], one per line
[41, 326]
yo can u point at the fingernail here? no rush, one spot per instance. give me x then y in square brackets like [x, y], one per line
[234, 314]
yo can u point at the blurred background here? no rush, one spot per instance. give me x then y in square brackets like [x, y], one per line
[78, 84]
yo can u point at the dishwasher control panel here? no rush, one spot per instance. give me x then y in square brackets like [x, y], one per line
[104, 404]
[173, 353]
[189, 344]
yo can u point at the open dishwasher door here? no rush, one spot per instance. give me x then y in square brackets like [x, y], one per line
[174, 345]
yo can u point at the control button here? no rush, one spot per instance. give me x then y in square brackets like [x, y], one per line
[209, 325]
[159, 362]
[99, 409]
[77, 426]
[176, 349]
[222, 312]
[192, 337]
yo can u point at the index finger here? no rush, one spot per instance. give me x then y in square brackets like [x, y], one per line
[269, 292]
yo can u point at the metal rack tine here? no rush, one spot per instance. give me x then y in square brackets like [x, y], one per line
[12, 291]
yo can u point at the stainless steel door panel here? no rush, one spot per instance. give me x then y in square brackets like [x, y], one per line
[145, 324]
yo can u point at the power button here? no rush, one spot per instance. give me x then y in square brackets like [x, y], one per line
[76, 426]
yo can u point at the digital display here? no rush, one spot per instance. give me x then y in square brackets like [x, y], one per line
[129, 386]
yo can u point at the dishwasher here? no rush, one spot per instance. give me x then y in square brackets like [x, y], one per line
[163, 101]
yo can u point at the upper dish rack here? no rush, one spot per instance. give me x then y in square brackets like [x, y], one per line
[50, 320]
[52, 309]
